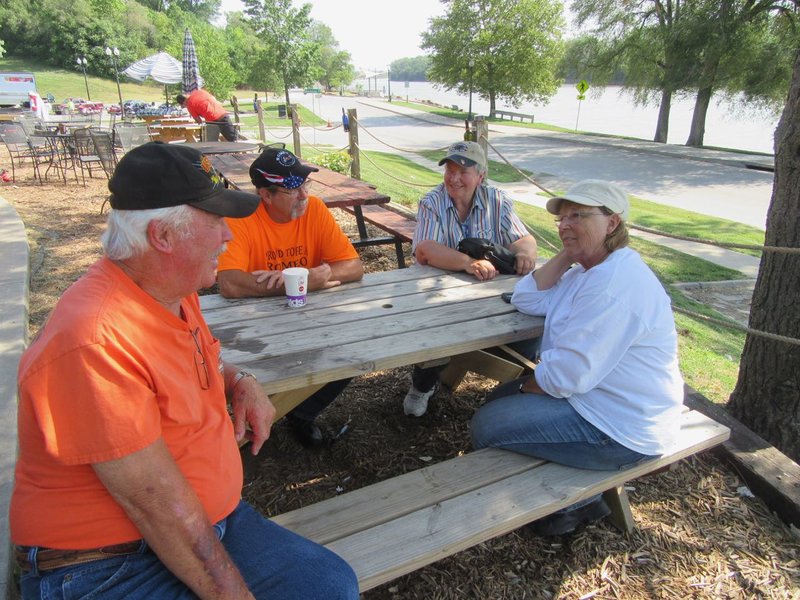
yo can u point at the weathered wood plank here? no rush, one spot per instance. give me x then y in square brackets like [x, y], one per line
[481, 362]
[413, 540]
[769, 473]
[367, 507]
[349, 360]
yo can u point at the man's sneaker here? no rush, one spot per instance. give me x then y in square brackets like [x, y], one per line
[416, 403]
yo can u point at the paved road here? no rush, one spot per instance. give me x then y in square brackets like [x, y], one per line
[705, 181]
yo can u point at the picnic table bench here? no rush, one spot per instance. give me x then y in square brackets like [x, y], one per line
[396, 224]
[401, 524]
[511, 114]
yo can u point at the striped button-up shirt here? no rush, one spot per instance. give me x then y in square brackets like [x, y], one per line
[491, 216]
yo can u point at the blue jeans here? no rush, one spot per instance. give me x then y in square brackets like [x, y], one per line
[274, 562]
[545, 427]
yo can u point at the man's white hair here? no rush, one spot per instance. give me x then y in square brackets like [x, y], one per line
[126, 230]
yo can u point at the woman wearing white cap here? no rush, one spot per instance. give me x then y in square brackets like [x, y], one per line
[607, 392]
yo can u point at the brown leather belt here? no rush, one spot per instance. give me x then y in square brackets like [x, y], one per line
[48, 559]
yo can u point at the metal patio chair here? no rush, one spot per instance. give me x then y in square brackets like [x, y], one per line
[85, 153]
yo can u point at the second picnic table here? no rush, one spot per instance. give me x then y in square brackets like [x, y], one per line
[335, 190]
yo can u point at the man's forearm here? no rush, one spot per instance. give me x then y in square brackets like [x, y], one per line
[154, 494]
[347, 270]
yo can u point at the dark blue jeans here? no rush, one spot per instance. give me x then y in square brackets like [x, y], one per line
[309, 408]
[274, 562]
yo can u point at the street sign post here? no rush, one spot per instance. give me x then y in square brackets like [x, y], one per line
[581, 86]
[312, 91]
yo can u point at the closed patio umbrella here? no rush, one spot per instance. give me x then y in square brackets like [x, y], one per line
[191, 69]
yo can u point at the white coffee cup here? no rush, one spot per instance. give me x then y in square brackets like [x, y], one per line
[295, 280]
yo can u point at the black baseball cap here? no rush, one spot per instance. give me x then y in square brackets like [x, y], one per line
[276, 166]
[159, 175]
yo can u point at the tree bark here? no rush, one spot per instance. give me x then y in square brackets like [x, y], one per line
[767, 394]
[697, 131]
[662, 126]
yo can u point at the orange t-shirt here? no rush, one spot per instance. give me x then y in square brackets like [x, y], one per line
[259, 243]
[111, 372]
[202, 104]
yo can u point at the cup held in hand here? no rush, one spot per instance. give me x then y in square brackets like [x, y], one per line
[295, 279]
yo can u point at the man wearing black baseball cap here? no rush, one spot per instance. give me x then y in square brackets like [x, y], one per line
[463, 206]
[290, 228]
[129, 475]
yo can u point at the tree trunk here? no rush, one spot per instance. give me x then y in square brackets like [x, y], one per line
[662, 126]
[698, 129]
[767, 394]
[491, 104]
[703, 99]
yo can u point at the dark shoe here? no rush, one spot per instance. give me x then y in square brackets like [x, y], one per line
[561, 523]
[306, 432]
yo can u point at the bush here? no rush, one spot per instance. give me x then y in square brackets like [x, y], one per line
[335, 161]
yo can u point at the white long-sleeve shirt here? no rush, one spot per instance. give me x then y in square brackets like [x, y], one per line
[610, 349]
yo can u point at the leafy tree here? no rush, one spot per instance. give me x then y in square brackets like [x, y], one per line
[513, 45]
[203, 9]
[410, 69]
[728, 32]
[244, 47]
[766, 394]
[291, 53]
[647, 40]
[335, 66]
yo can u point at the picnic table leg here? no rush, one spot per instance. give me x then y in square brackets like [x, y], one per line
[362, 227]
[621, 515]
[482, 362]
[284, 402]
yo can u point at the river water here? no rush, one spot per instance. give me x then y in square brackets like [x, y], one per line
[612, 112]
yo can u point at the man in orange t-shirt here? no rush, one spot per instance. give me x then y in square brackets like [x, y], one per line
[288, 229]
[204, 107]
[128, 480]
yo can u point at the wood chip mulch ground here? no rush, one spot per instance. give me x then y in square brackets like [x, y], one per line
[700, 532]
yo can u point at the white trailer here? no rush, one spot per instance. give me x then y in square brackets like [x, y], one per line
[14, 87]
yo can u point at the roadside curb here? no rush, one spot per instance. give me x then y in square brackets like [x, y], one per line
[13, 340]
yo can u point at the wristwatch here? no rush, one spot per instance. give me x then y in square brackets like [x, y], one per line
[239, 376]
[521, 391]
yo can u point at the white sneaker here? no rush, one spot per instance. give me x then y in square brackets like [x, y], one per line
[416, 403]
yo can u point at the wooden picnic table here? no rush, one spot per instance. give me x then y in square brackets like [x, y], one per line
[335, 189]
[165, 132]
[389, 319]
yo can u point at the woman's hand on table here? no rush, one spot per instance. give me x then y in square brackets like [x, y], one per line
[482, 269]
[524, 263]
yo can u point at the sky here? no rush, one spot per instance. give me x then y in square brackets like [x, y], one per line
[374, 32]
